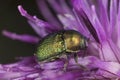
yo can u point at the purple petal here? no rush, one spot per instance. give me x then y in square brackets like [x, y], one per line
[24, 69]
[113, 16]
[47, 13]
[28, 68]
[92, 24]
[99, 19]
[69, 19]
[109, 69]
[98, 27]
[42, 28]
[87, 23]
[53, 65]
[61, 7]
[40, 31]
[103, 52]
[103, 17]
[78, 4]
[81, 28]
[65, 7]
[24, 37]
[70, 22]
[113, 12]
[116, 31]
[109, 48]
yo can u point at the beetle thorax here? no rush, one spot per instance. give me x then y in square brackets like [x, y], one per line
[73, 42]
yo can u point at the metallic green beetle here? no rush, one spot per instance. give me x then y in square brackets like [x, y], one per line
[59, 43]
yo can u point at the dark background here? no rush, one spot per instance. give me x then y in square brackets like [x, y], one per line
[11, 20]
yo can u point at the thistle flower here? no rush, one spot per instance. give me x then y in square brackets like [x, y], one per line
[97, 20]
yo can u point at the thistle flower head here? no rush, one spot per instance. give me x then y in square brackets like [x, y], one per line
[97, 20]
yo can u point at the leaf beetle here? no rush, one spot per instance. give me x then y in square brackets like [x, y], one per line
[64, 42]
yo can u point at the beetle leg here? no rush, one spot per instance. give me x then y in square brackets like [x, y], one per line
[53, 58]
[66, 62]
[76, 60]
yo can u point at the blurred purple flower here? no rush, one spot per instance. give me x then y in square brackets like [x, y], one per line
[99, 20]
